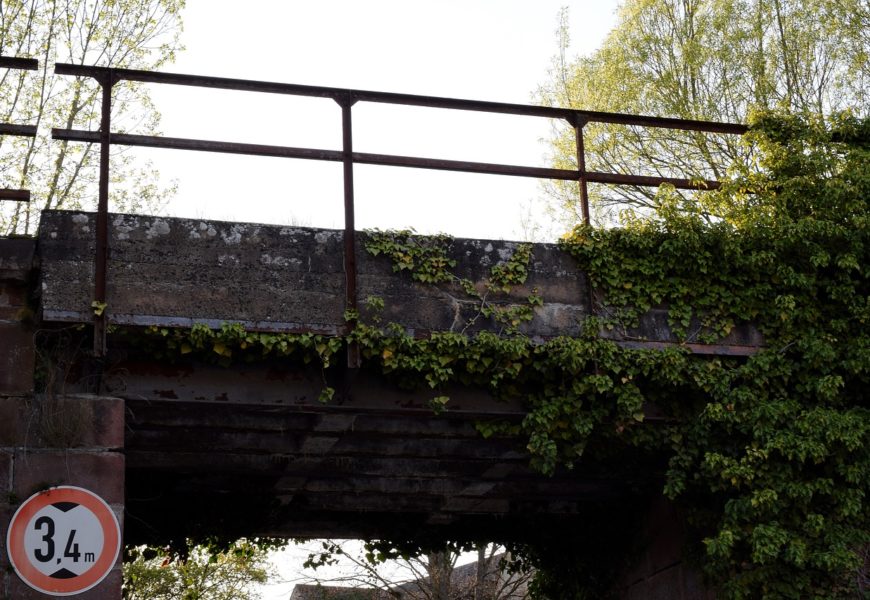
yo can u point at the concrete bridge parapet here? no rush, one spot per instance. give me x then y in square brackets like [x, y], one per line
[176, 272]
[173, 272]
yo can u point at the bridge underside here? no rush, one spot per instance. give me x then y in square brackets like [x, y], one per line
[264, 457]
[249, 450]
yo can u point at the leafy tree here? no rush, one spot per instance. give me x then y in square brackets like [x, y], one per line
[423, 575]
[203, 573]
[701, 59]
[139, 34]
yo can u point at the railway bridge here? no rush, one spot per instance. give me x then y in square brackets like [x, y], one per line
[97, 392]
[187, 446]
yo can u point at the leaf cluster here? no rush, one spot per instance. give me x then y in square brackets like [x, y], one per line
[203, 572]
[714, 60]
[133, 34]
[769, 453]
[427, 259]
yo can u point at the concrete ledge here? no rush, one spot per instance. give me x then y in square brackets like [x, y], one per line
[176, 272]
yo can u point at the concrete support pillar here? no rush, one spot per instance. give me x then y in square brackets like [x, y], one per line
[31, 461]
[48, 439]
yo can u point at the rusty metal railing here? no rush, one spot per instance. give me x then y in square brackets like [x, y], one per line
[346, 99]
[24, 64]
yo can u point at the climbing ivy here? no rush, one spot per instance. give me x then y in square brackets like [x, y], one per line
[777, 448]
[768, 454]
[427, 259]
[231, 342]
[424, 256]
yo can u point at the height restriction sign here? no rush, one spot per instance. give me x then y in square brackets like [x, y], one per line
[63, 540]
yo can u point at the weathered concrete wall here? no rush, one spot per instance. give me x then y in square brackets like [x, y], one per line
[16, 334]
[175, 272]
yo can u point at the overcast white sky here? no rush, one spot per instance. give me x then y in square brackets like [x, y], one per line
[496, 50]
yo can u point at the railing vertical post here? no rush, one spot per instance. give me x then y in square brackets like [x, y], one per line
[579, 123]
[346, 103]
[102, 225]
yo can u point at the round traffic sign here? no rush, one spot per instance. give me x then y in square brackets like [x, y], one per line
[63, 540]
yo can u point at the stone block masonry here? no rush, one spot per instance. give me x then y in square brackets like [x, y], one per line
[31, 460]
[16, 314]
[48, 440]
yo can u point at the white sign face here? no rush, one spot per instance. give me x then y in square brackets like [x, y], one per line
[63, 541]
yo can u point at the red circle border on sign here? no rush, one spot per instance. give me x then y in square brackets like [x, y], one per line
[101, 567]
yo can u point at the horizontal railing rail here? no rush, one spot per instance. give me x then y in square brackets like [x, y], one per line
[24, 64]
[345, 95]
[107, 77]
[251, 85]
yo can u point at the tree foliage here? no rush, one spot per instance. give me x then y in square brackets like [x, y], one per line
[418, 573]
[773, 459]
[702, 59]
[204, 572]
[116, 33]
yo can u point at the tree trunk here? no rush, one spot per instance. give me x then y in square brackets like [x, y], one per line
[440, 568]
[480, 577]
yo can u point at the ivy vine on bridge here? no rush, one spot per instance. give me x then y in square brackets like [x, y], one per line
[768, 453]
